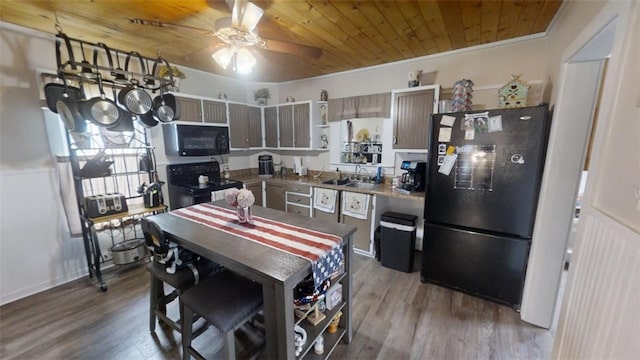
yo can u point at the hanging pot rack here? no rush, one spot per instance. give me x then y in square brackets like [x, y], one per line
[149, 77]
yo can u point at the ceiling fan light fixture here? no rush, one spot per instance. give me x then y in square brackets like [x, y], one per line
[223, 57]
[244, 61]
[245, 15]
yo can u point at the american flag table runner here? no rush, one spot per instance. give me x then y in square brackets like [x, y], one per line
[323, 250]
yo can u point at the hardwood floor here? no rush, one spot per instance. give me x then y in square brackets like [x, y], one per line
[394, 317]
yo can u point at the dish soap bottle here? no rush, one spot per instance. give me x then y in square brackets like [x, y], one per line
[338, 175]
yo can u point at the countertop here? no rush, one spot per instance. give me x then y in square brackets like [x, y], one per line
[384, 189]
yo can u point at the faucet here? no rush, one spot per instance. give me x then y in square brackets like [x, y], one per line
[359, 168]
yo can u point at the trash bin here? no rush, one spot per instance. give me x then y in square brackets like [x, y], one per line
[397, 240]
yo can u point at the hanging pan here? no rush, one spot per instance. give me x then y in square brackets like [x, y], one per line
[125, 122]
[54, 91]
[147, 120]
[101, 110]
[161, 111]
[67, 108]
[132, 97]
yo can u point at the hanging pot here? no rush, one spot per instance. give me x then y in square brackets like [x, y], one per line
[161, 111]
[132, 97]
[101, 110]
[147, 120]
[67, 108]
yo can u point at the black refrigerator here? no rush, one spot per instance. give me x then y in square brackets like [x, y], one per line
[483, 181]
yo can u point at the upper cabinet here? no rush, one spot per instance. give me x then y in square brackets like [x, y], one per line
[214, 112]
[412, 110]
[297, 125]
[190, 109]
[271, 126]
[363, 106]
[245, 126]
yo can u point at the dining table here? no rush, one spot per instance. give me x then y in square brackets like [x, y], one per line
[278, 271]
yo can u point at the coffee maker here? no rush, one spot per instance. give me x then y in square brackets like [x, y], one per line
[414, 177]
[265, 166]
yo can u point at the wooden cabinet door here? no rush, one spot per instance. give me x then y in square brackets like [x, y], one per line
[362, 237]
[271, 127]
[256, 189]
[411, 119]
[214, 112]
[275, 196]
[238, 125]
[302, 125]
[285, 125]
[254, 122]
[189, 109]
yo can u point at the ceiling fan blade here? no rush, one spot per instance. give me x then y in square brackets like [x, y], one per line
[161, 24]
[291, 48]
[245, 15]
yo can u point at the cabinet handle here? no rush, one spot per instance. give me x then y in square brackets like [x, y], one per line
[395, 139]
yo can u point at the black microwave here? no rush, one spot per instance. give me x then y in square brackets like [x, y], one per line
[195, 140]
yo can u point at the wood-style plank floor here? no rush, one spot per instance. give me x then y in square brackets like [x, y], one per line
[394, 317]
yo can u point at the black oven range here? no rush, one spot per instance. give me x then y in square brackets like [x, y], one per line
[185, 188]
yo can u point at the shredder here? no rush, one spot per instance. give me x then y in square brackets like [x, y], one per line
[397, 240]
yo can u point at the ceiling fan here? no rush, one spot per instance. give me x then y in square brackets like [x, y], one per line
[238, 35]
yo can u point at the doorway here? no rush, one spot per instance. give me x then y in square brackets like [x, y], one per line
[579, 92]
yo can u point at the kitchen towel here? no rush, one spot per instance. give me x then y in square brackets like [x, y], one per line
[355, 204]
[325, 200]
[324, 251]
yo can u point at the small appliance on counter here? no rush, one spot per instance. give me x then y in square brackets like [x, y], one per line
[105, 204]
[151, 194]
[413, 178]
[297, 166]
[265, 166]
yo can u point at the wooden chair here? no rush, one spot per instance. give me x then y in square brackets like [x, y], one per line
[225, 300]
[181, 280]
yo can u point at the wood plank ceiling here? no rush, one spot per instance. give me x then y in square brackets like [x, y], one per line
[351, 34]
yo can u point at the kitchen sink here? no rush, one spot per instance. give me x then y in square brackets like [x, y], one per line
[361, 185]
[336, 181]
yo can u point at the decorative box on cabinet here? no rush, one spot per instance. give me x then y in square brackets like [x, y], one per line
[412, 110]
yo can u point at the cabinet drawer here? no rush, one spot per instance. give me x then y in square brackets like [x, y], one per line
[298, 209]
[297, 188]
[298, 199]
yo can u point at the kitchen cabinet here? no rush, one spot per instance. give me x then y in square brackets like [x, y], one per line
[360, 107]
[255, 126]
[301, 125]
[325, 216]
[190, 109]
[412, 110]
[214, 112]
[375, 206]
[298, 125]
[275, 196]
[285, 126]
[298, 199]
[245, 126]
[362, 238]
[256, 189]
[271, 126]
